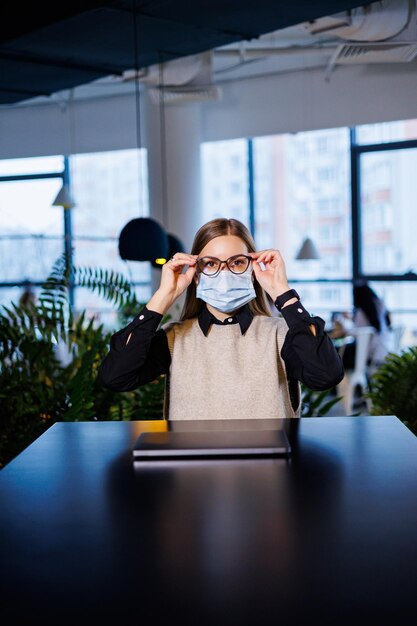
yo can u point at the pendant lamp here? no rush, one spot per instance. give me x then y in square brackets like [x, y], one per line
[174, 245]
[142, 238]
[308, 250]
[64, 197]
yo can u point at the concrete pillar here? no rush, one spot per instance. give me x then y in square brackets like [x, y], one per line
[179, 209]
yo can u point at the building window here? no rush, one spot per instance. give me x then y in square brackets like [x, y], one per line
[389, 221]
[109, 188]
[31, 230]
[225, 180]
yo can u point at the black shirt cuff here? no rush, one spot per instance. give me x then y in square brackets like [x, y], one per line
[147, 321]
[145, 316]
[295, 313]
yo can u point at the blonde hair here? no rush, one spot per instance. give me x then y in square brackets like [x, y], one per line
[217, 228]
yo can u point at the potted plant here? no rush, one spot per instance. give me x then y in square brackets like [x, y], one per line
[37, 387]
[393, 389]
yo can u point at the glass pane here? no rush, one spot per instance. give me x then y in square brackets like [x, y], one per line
[110, 189]
[25, 207]
[302, 189]
[28, 258]
[324, 299]
[105, 255]
[389, 218]
[101, 310]
[38, 165]
[15, 294]
[386, 132]
[401, 301]
[225, 180]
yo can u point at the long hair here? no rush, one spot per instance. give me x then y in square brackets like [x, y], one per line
[365, 298]
[217, 228]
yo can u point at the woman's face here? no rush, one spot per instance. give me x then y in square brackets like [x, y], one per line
[224, 247]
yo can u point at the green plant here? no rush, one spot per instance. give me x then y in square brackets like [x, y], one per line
[317, 403]
[393, 389]
[37, 387]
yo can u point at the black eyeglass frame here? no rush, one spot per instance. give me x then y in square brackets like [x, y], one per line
[214, 258]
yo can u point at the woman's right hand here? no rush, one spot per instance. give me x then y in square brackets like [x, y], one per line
[173, 281]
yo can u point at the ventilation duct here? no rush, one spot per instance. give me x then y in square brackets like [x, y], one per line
[378, 21]
[349, 54]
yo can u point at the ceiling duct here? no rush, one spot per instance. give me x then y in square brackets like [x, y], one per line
[349, 53]
[188, 79]
[181, 95]
[379, 21]
[383, 32]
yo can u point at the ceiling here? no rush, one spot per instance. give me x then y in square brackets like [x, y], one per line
[71, 43]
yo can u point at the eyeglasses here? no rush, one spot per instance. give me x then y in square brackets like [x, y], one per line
[210, 265]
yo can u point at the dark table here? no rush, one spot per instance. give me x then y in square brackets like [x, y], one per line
[327, 537]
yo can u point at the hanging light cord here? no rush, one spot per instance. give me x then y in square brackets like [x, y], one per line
[141, 176]
[71, 122]
[163, 141]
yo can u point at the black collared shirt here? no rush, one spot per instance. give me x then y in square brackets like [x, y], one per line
[311, 359]
[243, 317]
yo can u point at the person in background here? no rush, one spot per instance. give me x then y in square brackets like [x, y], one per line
[370, 310]
[27, 295]
[227, 357]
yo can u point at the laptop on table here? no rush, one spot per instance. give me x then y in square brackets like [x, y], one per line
[210, 444]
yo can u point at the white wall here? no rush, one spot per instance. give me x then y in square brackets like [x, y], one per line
[305, 101]
[42, 130]
[253, 107]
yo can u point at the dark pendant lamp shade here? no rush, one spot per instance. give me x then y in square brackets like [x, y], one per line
[174, 245]
[143, 239]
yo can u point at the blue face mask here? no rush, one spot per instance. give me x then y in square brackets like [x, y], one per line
[226, 291]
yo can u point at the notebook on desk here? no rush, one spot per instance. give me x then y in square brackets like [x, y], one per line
[211, 444]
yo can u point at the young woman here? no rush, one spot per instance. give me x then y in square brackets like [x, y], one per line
[227, 357]
[370, 310]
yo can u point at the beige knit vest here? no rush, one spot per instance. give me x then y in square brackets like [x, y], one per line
[227, 375]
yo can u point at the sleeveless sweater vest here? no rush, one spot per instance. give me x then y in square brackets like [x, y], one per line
[227, 375]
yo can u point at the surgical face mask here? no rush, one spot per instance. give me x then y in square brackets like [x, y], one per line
[226, 291]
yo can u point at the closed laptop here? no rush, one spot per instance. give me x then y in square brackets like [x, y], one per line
[162, 445]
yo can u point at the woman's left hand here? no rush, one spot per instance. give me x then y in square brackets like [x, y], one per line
[274, 277]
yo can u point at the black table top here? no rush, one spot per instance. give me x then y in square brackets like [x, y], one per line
[328, 536]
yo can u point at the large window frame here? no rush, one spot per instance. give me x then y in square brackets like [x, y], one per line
[64, 175]
[69, 239]
[356, 151]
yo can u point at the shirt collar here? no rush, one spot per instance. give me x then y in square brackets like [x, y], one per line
[243, 317]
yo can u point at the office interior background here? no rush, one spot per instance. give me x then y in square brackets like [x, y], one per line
[288, 132]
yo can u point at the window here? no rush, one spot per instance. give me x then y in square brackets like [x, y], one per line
[109, 190]
[284, 187]
[400, 299]
[327, 173]
[388, 218]
[38, 165]
[303, 188]
[293, 203]
[386, 132]
[225, 180]
[31, 230]
[324, 298]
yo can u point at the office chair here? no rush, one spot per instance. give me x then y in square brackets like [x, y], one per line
[357, 376]
[397, 335]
